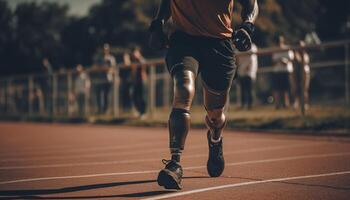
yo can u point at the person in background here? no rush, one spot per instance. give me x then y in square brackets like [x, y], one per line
[139, 78]
[46, 85]
[301, 77]
[126, 82]
[47, 66]
[37, 100]
[282, 77]
[105, 79]
[82, 86]
[247, 70]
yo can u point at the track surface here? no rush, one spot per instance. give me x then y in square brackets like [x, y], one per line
[55, 161]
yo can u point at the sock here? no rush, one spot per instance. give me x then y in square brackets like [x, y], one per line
[214, 138]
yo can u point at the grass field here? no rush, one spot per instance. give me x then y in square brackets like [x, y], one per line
[318, 119]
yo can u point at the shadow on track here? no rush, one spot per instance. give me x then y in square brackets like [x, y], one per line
[136, 195]
[31, 194]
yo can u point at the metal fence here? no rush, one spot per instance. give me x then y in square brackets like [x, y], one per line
[69, 94]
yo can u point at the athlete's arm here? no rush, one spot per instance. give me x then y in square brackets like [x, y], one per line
[158, 40]
[242, 37]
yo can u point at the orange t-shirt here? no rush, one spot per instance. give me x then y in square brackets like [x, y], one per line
[210, 18]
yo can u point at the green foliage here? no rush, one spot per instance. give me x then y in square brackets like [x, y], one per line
[334, 19]
[6, 30]
[37, 30]
[37, 34]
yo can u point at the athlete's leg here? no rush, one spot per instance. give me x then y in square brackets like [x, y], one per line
[179, 120]
[179, 124]
[183, 66]
[217, 72]
[215, 103]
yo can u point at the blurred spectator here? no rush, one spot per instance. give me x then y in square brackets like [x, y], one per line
[46, 85]
[36, 99]
[126, 82]
[247, 69]
[20, 95]
[282, 76]
[301, 77]
[139, 77]
[2, 99]
[11, 101]
[104, 79]
[47, 66]
[82, 86]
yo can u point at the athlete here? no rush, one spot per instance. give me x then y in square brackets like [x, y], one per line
[202, 44]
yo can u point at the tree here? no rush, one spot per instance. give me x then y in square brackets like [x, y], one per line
[122, 23]
[334, 19]
[79, 42]
[301, 17]
[38, 30]
[6, 36]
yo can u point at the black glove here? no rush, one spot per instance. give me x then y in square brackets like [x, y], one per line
[242, 37]
[157, 40]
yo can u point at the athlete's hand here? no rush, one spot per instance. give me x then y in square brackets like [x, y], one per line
[242, 37]
[157, 40]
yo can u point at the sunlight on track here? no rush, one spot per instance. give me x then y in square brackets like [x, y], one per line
[186, 168]
[146, 160]
[178, 194]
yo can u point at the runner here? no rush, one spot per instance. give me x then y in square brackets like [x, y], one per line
[202, 44]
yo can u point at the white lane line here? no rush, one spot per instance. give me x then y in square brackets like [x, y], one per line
[178, 194]
[5, 157]
[185, 168]
[146, 160]
[281, 159]
[88, 155]
[47, 156]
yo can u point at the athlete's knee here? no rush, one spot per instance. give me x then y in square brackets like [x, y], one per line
[215, 118]
[184, 89]
[215, 103]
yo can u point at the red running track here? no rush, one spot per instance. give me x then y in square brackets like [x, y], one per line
[60, 161]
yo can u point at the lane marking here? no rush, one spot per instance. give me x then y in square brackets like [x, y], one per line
[37, 150]
[281, 159]
[178, 194]
[146, 160]
[60, 157]
[185, 168]
[73, 150]
[99, 155]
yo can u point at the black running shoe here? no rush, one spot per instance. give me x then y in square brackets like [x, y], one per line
[170, 177]
[216, 162]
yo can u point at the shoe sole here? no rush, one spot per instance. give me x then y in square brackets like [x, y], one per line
[168, 180]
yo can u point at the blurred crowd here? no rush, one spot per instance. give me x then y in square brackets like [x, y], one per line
[87, 86]
[290, 81]
[290, 78]
[132, 83]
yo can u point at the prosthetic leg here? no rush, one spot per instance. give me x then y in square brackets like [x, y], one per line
[179, 124]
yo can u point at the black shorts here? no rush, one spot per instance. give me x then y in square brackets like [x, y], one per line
[212, 58]
[280, 81]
